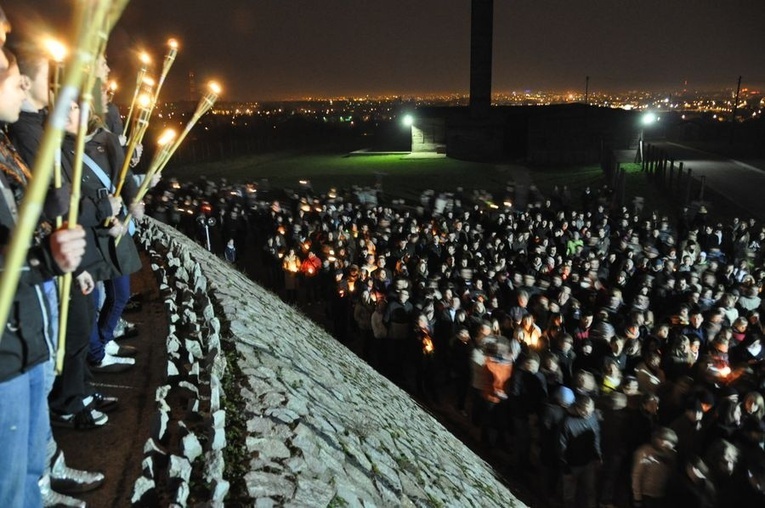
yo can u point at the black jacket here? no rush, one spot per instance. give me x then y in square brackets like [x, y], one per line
[101, 259]
[26, 134]
[23, 340]
[579, 441]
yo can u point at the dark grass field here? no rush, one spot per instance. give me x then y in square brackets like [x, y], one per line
[406, 178]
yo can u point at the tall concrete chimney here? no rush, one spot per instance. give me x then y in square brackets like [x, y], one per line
[481, 42]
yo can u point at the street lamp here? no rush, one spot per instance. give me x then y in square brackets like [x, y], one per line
[408, 120]
[648, 118]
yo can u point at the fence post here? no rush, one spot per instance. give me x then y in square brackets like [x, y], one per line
[663, 169]
[622, 185]
[671, 173]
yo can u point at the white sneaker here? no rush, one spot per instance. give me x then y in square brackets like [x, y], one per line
[114, 349]
[51, 498]
[67, 480]
[111, 363]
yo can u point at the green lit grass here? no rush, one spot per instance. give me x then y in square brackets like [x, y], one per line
[400, 176]
[406, 178]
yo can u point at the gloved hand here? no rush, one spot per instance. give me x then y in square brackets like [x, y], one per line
[57, 201]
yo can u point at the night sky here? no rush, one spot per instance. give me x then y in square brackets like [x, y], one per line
[275, 49]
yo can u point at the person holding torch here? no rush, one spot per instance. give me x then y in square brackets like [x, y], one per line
[23, 349]
[59, 479]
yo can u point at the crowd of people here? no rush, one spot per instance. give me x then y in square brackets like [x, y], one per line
[34, 394]
[616, 355]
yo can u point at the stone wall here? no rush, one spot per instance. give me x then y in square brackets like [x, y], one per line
[323, 428]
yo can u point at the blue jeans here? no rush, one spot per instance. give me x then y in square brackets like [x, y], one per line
[23, 417]
[117, 294]
[51, 294]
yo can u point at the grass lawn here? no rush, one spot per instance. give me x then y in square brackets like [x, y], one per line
[400, 176]
[407, 177]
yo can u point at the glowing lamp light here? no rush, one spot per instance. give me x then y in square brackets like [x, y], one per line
[56, 50]
[725, 371]
[408, 120]
[648, 118]
[113, 86]
[172, 43]
[144, 58]
[214, 87]
[144, 100]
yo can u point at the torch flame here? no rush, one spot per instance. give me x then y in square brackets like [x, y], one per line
[172, 43]
[167, 137]
[144, 100]
[145, 58]
[148, 81]
[214, 87]
[113, 86]
[56, 49]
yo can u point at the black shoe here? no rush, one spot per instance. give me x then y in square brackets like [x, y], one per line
[133, 306]
[125, 330]
[87, 418]
[104, 403]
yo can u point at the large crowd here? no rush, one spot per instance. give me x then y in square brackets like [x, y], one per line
[616, 354]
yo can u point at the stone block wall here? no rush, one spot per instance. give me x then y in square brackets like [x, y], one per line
[323, 428]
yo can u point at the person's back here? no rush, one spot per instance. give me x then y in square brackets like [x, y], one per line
[580, 452]
[690, 488]
[398, 317]
[582, 440]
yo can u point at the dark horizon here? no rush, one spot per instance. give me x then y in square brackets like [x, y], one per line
[353, 48]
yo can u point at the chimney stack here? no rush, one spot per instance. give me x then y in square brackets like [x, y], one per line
[481, 42]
